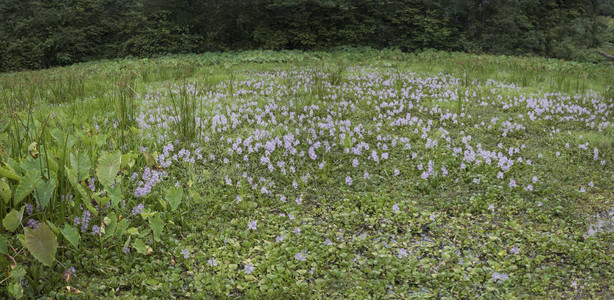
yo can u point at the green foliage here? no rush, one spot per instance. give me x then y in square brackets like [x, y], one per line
[37, 34]
[174, 196]
[108, 166]
[42, 243]
[12, 220]
[71, 235]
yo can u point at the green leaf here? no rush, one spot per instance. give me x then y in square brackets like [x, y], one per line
[18, 273]
[174, 196]
[128, 160]
[3, 245]
[108, 166]
[12, 220]
[9, 173]
[140, 246]
[149, 159]
[111, 221]
[42, 243]
[44, 191]
[15, 290]
[65, 141]
[31, 164]
[121, 228]
[26, 186]
[81, 165]
[81, 190]
[157, 225]
[71, 234]
[115, 193]
[5, 191]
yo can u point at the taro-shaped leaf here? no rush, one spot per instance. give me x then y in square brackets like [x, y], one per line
[174, 196]
[15, 290]
[8, 172]
[111, 223]
[71, 234]
[44, 191]
[5, 191]
[42, 243]
[115, 193]
[12, 220]
[156, 225]
[149, 159]
[108, 166]
[121, 228]
[3, 245]
[26, 186]
[141, 247]
[81, 165]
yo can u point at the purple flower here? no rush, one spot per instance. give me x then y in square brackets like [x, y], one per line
[252, 225]
[126, 250]
[328, 242]
[279, 238]
[515, 250]
[348, 180]
[395, 207]
[301, 256]
[297, 230]
[499, 277]
[212, 262]
[186, 253]
[33, 224]
[401, 253]
[249, 268]
[95, 230]
[138, 209]
[512, 183]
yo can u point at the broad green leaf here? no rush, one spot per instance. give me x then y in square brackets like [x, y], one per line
[128, 160]
[81, 191]
[140, 246]
[42, 243]
[114, 193]
[111, 221]
[101, 140]
[133, 231]
[53, 165]
[149, 159]
[71, 234]
[15, 290]
[44, 191]
[5, 191]
[30, 164]
[13, 165]
[157, 225]
[3, 245]
[26, 186]
[12, 220]
[174, 196]
[18, 273]
[53, 227]
[8, 172]
[108, 166]
[65, 142]
[121, 228]
[81, 165]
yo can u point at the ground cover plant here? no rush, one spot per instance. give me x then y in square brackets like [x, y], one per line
[349, 174]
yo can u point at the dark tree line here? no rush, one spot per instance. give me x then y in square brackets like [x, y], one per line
[43, 33]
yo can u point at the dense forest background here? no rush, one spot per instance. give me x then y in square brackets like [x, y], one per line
[44, 33]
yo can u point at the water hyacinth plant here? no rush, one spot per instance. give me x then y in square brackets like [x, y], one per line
[348, 174]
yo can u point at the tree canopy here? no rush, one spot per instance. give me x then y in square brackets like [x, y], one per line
[44, 33]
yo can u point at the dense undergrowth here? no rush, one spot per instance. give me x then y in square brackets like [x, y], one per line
[309, 174]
